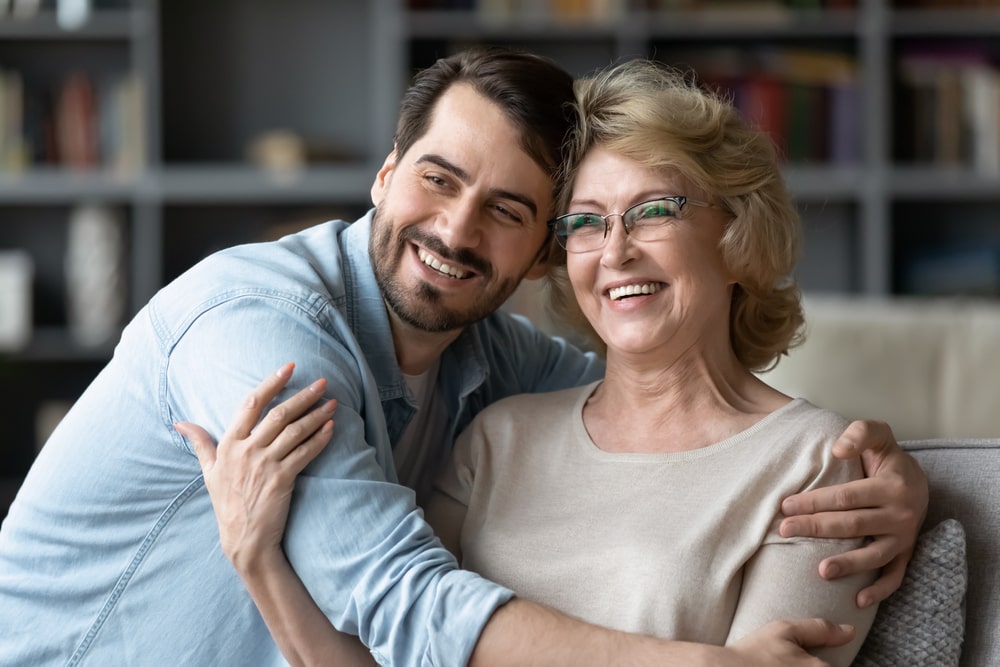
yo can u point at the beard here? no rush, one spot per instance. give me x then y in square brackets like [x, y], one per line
[423, 308]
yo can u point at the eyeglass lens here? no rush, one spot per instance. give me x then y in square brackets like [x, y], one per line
[645, 221]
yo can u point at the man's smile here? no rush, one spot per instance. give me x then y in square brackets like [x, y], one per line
[440, 266]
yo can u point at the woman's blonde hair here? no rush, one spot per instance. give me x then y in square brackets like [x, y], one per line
[656, 116]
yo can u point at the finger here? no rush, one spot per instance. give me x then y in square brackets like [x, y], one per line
[201, 441]
[864, 435]
[835, 525]
[858, 494]
[887, 584]
[298, 432]
[285, 416]
[877, 553]
[818, 632]
[253, 405]
[303, 455]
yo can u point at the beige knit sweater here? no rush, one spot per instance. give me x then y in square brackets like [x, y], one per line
[681, 545]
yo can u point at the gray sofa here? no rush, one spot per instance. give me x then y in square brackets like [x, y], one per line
[931, 369]
[964, 478]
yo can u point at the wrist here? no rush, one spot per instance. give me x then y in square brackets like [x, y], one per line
[254, 562]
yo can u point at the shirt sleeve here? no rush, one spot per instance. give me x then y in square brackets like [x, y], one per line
[357, 540]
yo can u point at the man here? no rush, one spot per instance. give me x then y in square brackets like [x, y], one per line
[110, 553]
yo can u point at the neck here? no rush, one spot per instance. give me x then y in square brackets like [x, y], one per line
[417, 350]
[690, 402]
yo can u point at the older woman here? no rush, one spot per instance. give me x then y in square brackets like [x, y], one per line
[648, 501]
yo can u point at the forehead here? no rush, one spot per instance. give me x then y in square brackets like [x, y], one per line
[606, 175]
[474, 133]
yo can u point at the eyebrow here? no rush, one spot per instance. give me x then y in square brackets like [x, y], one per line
[580, 205]
[463, 176]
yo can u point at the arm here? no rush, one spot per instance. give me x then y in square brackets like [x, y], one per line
[354, 537]
[251, 538]
[889, 505]
[251, 516]
[524, 633]
[802, 593]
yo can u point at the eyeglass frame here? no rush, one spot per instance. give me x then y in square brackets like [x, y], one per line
[680, 200]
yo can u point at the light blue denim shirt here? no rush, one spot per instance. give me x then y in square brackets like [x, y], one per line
[110, 553]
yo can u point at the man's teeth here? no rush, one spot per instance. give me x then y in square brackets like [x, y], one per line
[438, 266]
[617, 293]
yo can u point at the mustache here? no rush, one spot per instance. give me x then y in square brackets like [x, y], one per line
[463, 256]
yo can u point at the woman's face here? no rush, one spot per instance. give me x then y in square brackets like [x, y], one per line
[667, 296]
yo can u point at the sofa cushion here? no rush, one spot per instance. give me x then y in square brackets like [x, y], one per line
[964, 478]
[923, 623]
[926, 366]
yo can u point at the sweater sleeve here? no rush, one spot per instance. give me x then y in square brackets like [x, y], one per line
[781, 579]
[782, 582]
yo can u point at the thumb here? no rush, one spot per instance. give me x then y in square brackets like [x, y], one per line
[816, 632]
[201, 441]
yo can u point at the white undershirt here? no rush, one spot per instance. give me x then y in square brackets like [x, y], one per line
[424, 433]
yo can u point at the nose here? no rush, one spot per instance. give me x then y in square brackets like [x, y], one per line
[618, 247]
[458, 226]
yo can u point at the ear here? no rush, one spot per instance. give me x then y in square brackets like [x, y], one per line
[382, 178]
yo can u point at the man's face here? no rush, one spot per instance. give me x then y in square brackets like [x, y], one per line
[460, 218]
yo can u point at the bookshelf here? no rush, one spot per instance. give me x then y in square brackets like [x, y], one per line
[199, 87]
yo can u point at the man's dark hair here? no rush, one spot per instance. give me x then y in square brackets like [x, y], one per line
[533, 92]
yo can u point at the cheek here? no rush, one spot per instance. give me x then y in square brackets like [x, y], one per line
[581, 277]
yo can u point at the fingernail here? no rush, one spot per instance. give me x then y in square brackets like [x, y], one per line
[832, 571]
[317, 386]
[329, 406]
[788, 507]
[285, 371]
[789, 528]
[864, 601]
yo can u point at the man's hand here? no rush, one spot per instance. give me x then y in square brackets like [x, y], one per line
[889, 506]
[785, 643]
[250, 476]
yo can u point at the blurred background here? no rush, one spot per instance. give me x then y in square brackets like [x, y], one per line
[138, 136]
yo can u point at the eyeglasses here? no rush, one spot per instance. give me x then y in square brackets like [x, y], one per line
[646, 221]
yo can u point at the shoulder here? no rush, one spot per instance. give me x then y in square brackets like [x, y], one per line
[804, 434]
[301, 273]
[801, 416]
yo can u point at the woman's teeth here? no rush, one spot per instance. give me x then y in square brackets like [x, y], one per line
[617, 293]
[438, 266]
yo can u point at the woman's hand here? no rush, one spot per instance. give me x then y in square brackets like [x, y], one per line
[889, 506]
[785, 643]
[250, 476]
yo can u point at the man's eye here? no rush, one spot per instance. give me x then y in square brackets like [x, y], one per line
[436, 181]
[508, 214]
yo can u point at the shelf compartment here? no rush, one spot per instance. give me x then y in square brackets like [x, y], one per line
[102, 25]
[191, 232]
